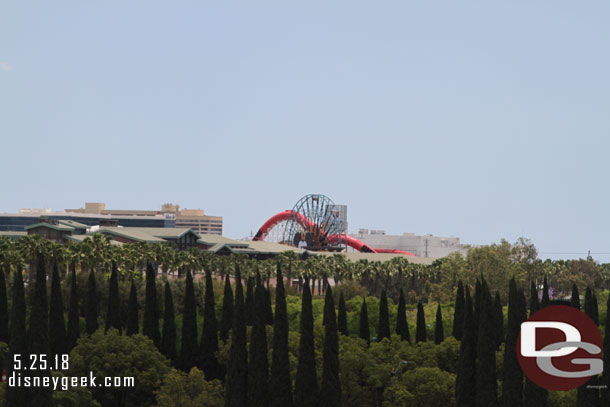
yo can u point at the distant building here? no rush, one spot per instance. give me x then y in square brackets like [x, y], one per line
[18, 222]
[194, 219]
[57, 230]
[427, 246]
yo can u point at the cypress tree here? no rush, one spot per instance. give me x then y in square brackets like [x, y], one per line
[150, 323]
[342, 316]
[57, 323]
[458, 315]
[364, 323]
[227, 311]
[306, 381]
[477, 308]
[533, 395]
[73, 318]
[402, 327]
[512, 375]
[188, 350]
[4, 332]
[330, 392]
[113, 317]
[534, 304]
[209, 334]
[465, 391]
[280, 382]
[439, 334]
[545, 294]
[268, 308]
[250, 301]
[168, 337]
[17, 396]
[595, 310]
[575, 300]
[498, 318]
[237, 373]
[133, 324]
[487, 392]
[589, 396]
[383, 330]
[605, 378]
[420, 330]
[258, 368]
[591, 306]
[92, 305]
[38, 335]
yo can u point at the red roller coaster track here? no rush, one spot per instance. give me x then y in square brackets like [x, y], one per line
[350, 241]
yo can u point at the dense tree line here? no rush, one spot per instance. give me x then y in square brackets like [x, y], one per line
[307, 340]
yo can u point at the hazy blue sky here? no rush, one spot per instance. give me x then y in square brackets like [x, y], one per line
[483, 120]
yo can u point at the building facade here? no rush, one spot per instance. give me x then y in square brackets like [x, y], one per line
[19, 221]
[427, 246]
[194, 219]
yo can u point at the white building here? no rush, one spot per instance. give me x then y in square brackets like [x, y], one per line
[428, 246]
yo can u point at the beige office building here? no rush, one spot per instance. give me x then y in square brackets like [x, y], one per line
[194, 219]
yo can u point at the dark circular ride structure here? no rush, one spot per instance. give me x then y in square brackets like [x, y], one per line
[314, 223]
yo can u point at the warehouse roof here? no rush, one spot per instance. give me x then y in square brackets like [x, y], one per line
[73, 224]
[62, 228]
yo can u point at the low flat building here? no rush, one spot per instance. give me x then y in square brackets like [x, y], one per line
[424, 246]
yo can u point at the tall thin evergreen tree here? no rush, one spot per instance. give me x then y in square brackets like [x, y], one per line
[150, 323]
[364, 332]
[113, 317]
[268, 308]
[227, 310]
[91, 324]
[458, 314]
[487, 392]
[383, 329]
[4, 316]
[575, 299]
[250, 301]
[15, 395]
[168, 336]
[73, 332]
[588, 394]
[306, 380]
[477, 308]
[420, 329]
[512, 375]
[57, 323]
[545, 294]
[402, 327]
[439, 334]
[209, 334]
[533, 395]
[342, 316]
[258, 368]
[330, 391]
[280, 382]
[38, 334]
[465, 391]
[595, 309]
[133, 320]
[498, 318]
[236, 393]
[591, 306]
[605, 378]
[534, 303]
[189, 348]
